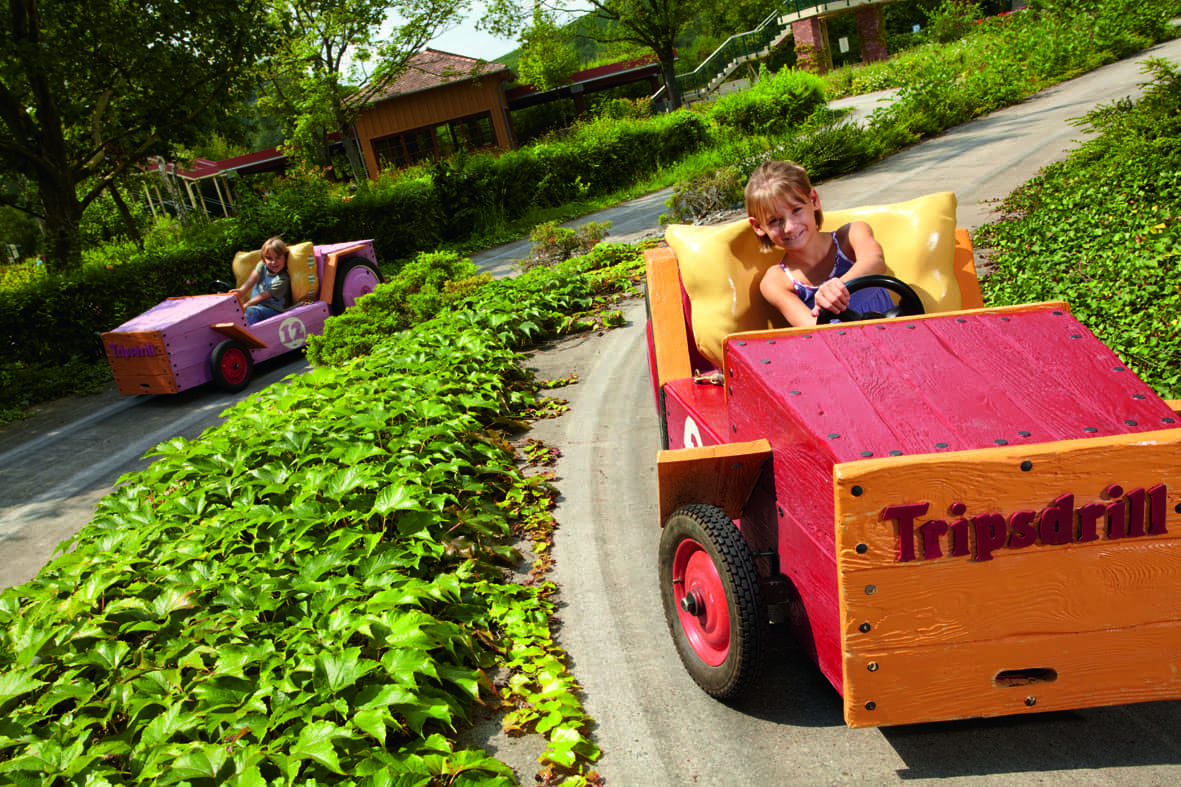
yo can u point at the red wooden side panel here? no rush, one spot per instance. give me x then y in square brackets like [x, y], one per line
[696, 414]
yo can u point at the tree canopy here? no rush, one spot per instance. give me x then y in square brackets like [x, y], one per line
[90, 91]
[548, 58]
[651, 24]
[315, 79]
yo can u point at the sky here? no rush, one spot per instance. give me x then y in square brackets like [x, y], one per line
[467, 41]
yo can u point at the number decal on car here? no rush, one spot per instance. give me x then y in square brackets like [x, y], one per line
[293, 333]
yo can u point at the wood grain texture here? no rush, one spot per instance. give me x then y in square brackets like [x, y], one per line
[1105, 613]
[965, 271]
[139, 362]
[720, 475]
[1089, 669]
[667, 316]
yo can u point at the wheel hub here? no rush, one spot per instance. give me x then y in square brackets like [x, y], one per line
[701, 598]
[693, 603]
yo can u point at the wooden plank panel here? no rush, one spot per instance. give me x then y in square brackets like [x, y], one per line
[1005, 479]
[720, 475]
[965, 271]
[667, 315]
[795, 383]
[978, 556]
[934, 392]
[1050, 590]
[1084, 670]
[139, 362]
[233, 330]
[1078, 381]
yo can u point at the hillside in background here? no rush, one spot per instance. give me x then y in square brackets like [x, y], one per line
[700, 39]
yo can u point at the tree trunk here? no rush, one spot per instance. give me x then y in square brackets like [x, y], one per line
[668, 68]
[350, 147]
[63, 213]
[354, 155]
[128, 220]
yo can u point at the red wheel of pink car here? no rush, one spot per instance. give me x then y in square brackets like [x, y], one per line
[355, 276]
[232, 366]
[712, 601]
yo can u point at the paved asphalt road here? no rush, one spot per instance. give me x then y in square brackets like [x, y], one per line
[654, 725]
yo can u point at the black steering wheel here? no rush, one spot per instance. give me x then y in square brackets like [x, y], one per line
[909, 303]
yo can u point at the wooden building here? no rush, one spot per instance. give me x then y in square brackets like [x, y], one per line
[440, 104]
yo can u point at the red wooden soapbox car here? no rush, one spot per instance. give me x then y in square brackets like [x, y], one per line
[185, 342]
[964, 512]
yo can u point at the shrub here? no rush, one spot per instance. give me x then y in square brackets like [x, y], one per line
[951, 21]
[705, 194]
[1100, 230]
[414, 295]
[771, 104]
[553, 244]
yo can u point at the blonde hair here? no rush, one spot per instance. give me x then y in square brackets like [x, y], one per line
[276, 245]
[774, 183]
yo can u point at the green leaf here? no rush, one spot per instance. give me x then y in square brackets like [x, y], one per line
[315, 743]
[337, 671]
[14, 684]
[373, 722]
[395, 497]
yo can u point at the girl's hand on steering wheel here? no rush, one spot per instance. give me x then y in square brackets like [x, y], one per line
[832, 296]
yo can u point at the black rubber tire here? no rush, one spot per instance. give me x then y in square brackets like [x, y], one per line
[708, 528]
[340, 299]
[232, 366]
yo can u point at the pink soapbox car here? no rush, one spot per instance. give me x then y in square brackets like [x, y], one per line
[185, 342]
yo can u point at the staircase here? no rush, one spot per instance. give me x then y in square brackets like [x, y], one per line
[752, 45]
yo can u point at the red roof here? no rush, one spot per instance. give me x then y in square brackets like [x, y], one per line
[431, 68]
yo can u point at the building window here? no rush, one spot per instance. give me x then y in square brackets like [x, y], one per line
[390, 153]
[432, 143]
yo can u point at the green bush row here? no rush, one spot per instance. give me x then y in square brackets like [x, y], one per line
[61, 317]
[471, 196]
[774, 104]
[1001, 61]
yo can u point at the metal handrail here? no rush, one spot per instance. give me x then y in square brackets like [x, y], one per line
[737, 49]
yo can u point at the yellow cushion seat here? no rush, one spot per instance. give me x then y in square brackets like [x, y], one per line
[721, 266]
[301, 267]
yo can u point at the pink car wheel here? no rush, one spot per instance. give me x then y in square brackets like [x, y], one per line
[355, 276]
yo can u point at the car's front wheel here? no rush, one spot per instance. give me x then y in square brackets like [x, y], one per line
[232, 364]
[712, 600]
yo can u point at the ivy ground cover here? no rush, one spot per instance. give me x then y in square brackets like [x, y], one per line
[314, 592]
[1102, 231]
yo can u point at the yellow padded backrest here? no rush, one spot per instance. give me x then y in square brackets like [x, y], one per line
[244, 263]
[918, 238]
[721, 266]
[301, 265]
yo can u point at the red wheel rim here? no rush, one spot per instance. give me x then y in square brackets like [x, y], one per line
[234, 365]
[707, 621]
